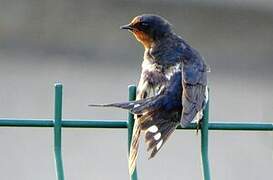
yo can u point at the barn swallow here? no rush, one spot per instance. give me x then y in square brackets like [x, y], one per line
[172, 89]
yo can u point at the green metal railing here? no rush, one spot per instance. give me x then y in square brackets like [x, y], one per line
[58, 123]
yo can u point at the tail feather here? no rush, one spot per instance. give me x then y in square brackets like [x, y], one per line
[150, 104]
[134, 147]
[123, 105]
[158, 128]
[135, 107]
[164, 139]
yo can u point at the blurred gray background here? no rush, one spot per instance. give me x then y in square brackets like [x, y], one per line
[78, 42]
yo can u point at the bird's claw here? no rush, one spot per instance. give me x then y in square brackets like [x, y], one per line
[198, 126]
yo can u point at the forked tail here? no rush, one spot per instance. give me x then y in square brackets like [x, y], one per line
[135, 107]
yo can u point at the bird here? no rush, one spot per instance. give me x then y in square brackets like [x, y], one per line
[172, 89]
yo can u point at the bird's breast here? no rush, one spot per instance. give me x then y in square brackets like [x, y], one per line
[147, 65]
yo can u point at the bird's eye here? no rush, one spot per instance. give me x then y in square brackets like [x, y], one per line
[144, 24]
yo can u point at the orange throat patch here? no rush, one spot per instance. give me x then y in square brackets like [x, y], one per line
[145, 40]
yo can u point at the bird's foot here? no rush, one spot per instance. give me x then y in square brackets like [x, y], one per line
[198, 126]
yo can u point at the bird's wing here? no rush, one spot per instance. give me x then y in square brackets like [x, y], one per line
[134, 147]
[194, 79]
[160, 116]
[164, 115]
[194, 84]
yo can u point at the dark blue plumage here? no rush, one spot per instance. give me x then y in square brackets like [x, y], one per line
[173, 92]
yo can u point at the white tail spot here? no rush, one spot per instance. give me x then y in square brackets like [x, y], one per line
[136, 105]
[198, 117]
[159, 144]
[153, 129]
[157, 136]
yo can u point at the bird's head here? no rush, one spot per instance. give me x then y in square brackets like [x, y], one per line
[149, 28]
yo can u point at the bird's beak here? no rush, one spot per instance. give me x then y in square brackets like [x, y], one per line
[127, 26]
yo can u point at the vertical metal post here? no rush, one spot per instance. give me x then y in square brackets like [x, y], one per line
[204, 143]
[132, 97]
[58, 131]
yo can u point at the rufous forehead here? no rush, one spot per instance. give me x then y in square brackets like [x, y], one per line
[135, 20]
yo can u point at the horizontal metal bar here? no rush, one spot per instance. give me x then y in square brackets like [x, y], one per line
[65, 123]
[241, 126]
[74, 123]
[237, 126]
[26, 122]
[95, 124]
